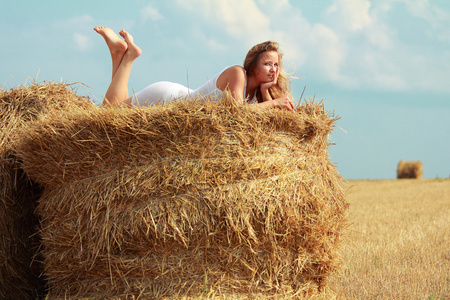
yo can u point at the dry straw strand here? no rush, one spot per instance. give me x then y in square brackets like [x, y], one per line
[193, 198]
[20, 266]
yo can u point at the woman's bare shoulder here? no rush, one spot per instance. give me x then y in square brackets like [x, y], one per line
[235, 70]
[233, 76]
[234, 73]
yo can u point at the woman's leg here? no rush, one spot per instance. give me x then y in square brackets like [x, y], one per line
[118, 89]
[116, 45]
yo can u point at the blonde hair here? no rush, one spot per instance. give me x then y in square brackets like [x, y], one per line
[283, 86]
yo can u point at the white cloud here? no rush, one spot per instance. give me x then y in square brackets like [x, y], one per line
[375, 69]
[82, 41]
[211, 43]
[331, 53]
[274, 7]
[352, 14]
[379, 38]
[240, 18]
[427, 72]
[79, 28]
[355, 44]
[437, 17]
[151, 13]
[251, 22]
[424, 9]
[78, 22]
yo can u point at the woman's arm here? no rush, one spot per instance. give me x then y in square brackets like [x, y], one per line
[233, 78]
[265, 94]
[282, 103]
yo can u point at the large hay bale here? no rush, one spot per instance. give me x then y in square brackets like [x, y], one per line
[409, 169]
[189, 198]
[20, 267]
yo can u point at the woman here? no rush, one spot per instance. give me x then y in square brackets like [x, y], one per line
[260, 81]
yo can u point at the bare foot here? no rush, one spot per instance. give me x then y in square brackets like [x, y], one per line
[133, 51]
[115, 44]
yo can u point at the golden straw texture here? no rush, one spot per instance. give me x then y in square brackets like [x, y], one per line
[191, 198]
[410, 169]
[20, 267]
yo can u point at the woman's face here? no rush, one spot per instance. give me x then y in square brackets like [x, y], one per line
[267, 68]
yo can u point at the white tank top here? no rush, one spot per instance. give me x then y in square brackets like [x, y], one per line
[169, 91]
[210, 89]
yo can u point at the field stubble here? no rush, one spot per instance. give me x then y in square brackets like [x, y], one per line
[398, 244]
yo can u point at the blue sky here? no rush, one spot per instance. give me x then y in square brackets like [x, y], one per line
[383, 66]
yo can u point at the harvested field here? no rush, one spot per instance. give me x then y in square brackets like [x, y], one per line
[398, 245]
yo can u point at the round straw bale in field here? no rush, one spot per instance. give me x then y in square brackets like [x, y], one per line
[20, 266]
[409, 169]
[191, 198]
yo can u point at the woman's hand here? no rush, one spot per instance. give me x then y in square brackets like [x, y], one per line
[284, 103]
[281, 103]
[265, 86]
